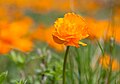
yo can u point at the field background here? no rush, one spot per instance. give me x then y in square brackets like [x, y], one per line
[43, 63]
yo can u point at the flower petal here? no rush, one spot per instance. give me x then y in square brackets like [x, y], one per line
[57, 40]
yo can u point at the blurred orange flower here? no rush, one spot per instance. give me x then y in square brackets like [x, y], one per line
[4, 47]
[70, 29]
[103, 29]
[44, 34]
[98, 29]
[13, 35]
[117, 35]
[106, 61]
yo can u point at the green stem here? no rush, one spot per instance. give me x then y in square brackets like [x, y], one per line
[64, 64]
[102, 50]
[79, 64]
[71, 62]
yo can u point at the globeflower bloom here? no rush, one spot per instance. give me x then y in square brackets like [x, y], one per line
[106, 61]
[70, 29]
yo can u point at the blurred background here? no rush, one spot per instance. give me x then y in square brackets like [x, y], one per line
[28, 54]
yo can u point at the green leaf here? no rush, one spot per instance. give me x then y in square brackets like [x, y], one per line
[21, 82]
[3, 77]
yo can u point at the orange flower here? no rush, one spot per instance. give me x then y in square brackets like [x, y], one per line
[69, 30]
[103, 29]
[4, 48]
[14, 35]
[23, 44]
[106, 61]
[117, 35]
[98, 29]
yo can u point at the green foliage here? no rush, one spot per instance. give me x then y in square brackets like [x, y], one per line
[3, 77]
[22, 82]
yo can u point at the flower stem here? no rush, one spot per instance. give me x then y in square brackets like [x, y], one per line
[102, 50]
[64, 64]
[79, 65]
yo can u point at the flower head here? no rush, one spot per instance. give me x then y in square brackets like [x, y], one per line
[70, 29]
